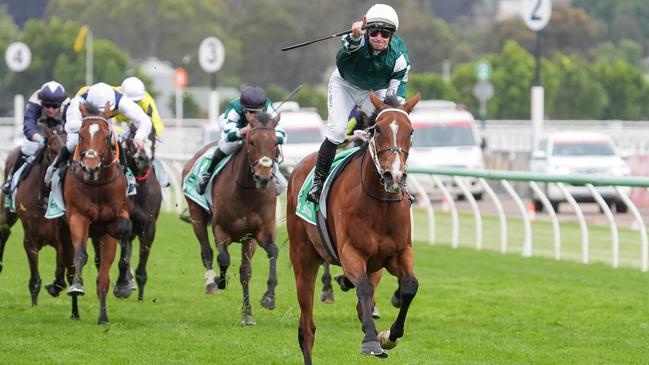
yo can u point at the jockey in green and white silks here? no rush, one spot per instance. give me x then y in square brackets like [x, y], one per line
[371, 57]
[236, 118]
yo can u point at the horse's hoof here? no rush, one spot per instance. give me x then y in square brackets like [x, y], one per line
[75, 317]
[384, 340]
[122, 291]
[268, 302]
[76, 289]
[327, 296]
[54, 289]
[102, 321]
[396, 302]
[343, 282]
[222, 283]
[132, 284]
[247, 320]
[375, 313]
[211, 288]
[373, 348]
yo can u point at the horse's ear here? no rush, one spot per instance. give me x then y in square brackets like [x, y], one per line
[274, 121]
[378, 104]
[83, 110]
[410, 104]
[106, 112]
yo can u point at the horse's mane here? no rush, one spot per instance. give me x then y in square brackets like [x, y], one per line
[263, 118]
[391, 100]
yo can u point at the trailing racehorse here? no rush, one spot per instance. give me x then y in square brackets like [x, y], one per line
[368, 216]
[96, 201]
[31, 202]
[144, 208]
[244, 198]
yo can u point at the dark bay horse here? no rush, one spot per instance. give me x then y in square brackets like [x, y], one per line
[244, 200]
[7, 217]
[94, 191]
[369, 220]
[144, 209]
[31, 198]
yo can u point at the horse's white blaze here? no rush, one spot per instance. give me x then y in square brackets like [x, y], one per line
[396, 165]
[93, 129]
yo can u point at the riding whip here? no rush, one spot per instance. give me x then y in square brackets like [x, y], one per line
[378, 24]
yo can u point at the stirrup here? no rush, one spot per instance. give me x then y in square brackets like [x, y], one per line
[6, 187]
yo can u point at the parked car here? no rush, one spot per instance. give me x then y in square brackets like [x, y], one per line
[305, 132]
[445, 136]
[591, 153]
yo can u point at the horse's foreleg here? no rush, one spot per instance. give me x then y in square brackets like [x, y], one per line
[79, 236]
[146, 241]
[268, 300]
[67, 258]
[408, 286]
[327, 295]
[122, 286]
[245, 273]
[32, 256]
[355, 270]
[108, 248]
[199, 220]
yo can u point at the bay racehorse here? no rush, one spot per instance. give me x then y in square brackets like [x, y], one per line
[244, 199]
[369, 221]
[7, 217]
[94, 191]
[144, 209]
[31, 198]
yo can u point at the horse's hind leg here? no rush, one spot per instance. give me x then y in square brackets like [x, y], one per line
[222, 242]
[268, 300]
[327, 295]
[58, 284]
[305, 262]
[146, 241]
[245, 273]
[34, 277]
[123, 286]
[7, 220]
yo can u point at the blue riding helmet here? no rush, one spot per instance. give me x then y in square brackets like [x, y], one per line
[52, 92]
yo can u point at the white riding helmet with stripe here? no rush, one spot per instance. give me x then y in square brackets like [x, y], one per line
[99, 94]
[383, 16]
[133, 88]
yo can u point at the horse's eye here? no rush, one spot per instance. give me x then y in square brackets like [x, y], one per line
[252, 143]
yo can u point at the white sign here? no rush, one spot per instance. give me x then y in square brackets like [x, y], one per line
[536, 13]
[483, 90]
[18, 56]
[211, 54]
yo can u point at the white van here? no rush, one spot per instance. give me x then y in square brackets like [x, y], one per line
[305, 131]
[445, 136]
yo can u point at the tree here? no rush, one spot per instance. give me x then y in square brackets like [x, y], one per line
[578, 95]
[628, 91]
[431, 86]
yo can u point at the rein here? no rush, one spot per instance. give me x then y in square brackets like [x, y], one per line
[115, 160]
[264, 161]
[143, 178]
[372, 195]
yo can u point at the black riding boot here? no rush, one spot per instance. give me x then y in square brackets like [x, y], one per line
[325, 158]
[61, 159]
[205, 178]
[6, 187]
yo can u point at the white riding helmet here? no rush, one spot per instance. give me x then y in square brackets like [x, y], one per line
[99, 94]
[133, 88]
[381, 13]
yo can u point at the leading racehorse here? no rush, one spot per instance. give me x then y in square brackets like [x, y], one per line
[369, 220]
[96, 201]
[244, 198]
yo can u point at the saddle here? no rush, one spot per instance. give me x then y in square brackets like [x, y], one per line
[191, 180]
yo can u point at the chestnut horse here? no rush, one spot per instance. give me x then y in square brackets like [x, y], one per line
[144, 209]
[369, 221]
[39, 231]
[244, 198]
[94, 191]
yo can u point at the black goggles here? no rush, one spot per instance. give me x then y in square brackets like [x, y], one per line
[252, 110]
[385, 33]
[51, 105]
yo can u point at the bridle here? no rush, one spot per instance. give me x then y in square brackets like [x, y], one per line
[264, 161]
[92, 153]
[374, 154]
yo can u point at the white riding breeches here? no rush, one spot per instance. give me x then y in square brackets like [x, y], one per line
[30, 148]
[342, 97]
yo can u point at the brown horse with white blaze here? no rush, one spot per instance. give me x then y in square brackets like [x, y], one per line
[244, 199]
[369, 220]
[96, 201]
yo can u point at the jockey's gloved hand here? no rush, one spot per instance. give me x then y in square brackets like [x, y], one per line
[138, 143]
